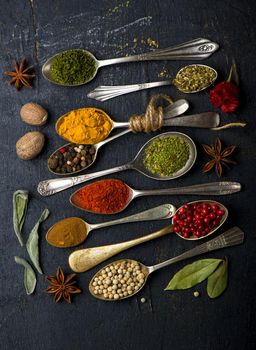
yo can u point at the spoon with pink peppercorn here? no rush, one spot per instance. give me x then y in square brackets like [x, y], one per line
[192, 221]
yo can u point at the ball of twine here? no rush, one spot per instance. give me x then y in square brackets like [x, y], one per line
[153, 119]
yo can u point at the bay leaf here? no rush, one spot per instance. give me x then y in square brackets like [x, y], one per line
[32, 242]
[19, 201]
[218, 280]
[192, 274]
[29, 275]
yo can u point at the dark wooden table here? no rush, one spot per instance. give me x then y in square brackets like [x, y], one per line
[167, 320]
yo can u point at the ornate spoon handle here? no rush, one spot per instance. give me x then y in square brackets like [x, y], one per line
[232, 237]
[195, 49]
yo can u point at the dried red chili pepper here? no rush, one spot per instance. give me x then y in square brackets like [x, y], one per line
[105, 196]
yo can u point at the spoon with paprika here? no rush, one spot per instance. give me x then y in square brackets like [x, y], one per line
[192, 221]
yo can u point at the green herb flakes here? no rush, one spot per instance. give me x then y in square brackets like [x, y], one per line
[73, 67]
[218, 281]
[32, 242]
[29, 275]
[20, 201]
[193, 274]
[165, 156]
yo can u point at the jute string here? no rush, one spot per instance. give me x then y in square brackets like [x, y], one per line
[153, 119]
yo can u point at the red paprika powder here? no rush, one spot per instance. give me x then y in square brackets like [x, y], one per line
[104, 197]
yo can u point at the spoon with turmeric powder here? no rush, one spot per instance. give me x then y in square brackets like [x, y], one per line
[73, 231]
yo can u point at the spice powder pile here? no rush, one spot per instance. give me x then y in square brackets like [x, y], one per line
[104, 197]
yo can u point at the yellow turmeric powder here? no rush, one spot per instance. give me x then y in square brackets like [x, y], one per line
[84, 126]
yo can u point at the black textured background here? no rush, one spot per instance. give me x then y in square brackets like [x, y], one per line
[168, 320]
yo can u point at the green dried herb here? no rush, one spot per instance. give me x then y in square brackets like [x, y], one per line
[32, 242]
[218, 281]
[29, 275]
[20, 201]
[194, 78]
[73, 67]
[192, 274]
[165, 156]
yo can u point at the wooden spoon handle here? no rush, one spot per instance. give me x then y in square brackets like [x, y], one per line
[84, 259]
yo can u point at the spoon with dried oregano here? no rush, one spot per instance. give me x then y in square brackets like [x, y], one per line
[189, 79]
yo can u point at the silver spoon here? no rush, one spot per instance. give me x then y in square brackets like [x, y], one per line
[137, 163]
[84, 259]
[195, 49]
[232, 237]
[106, 92]
[162, 212]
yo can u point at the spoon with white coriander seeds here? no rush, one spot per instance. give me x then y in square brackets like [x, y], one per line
[192, 221]
[189, 79]
[124, 278]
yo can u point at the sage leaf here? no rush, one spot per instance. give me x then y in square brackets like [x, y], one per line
[192, 274]
[32, 242]
[19, 201]
[218, 281]
[29, 275]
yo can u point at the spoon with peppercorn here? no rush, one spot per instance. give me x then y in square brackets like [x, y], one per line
[164, 157]
[124, 278]
[78, 67]
[189, 79]
[192, 221]
[72, 158]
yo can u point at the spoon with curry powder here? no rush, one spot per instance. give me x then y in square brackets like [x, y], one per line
[121, 271]
[78, 67]
[73, 231]
[189, 79]
[84, 259]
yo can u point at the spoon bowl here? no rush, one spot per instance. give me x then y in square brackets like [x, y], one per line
[46, 69]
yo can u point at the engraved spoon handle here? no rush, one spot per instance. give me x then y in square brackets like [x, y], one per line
[232, 237]
[195, 49]
[52, 186]
[164, 211]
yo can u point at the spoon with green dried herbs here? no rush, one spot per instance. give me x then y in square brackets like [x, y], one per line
[192, 221]
[189, 79]
[78, 66]
[73, 231]
[164, 157]
[124, 278]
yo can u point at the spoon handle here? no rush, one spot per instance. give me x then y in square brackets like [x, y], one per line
[162, 212]
[232, 237]
[106, 92]
[195, 49]
[84, 259]
[52, 186]
[201, 120]
[207, 189]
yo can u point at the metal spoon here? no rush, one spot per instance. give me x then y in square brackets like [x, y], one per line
[84, 259]
[56, 185]
[162, 212]
[195, 49]
[232, 237]
[106, 92]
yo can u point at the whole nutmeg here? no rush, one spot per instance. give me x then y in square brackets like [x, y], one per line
[33, 114]
[30, 145]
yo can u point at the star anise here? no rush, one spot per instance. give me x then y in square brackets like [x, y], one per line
[62, 286]
[22, 75]
[220, 157]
